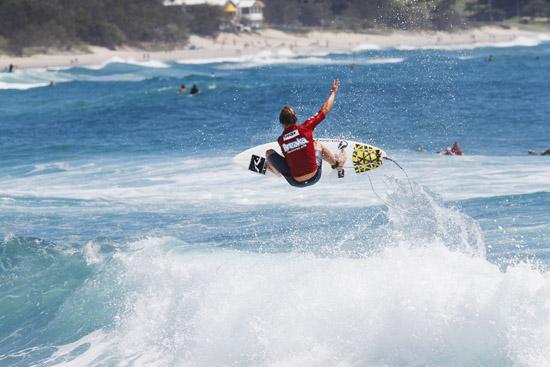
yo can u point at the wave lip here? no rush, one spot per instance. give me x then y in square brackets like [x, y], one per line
[367, 47]
[385, 60]
[31, 78]
[130, 61]
[22, 86]
[414, 304]
[520, 41]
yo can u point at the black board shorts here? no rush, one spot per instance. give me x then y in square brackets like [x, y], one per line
[280, 164]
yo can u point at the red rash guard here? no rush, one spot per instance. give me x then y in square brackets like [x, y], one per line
[298, 146]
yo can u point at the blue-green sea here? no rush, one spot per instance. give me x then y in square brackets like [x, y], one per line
[128, 236]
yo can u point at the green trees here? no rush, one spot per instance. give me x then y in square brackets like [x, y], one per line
[205, 20]
[488, 10]
[402, 14]
[108, 23]
[440, 14]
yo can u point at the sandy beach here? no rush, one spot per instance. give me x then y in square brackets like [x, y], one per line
[227, 46]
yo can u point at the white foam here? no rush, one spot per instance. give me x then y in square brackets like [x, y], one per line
[366, 47]
[425, 296]
[385, 60]
[62, 166]
[205, 181]
[286, 56]
[92, 253]
[418, 304]
[214, 60]
[33, 78]
[118, 60]
[22, 86]
[520, 41]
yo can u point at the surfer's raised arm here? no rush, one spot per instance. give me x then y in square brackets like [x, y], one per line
[327, 106]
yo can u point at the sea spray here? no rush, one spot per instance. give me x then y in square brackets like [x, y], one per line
[418, 215]
[427, 297]
[403, 306]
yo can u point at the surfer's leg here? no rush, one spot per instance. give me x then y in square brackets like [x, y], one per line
[329, 157]
[276, 163]
[327, 154]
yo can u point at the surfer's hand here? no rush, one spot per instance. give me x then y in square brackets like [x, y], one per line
[327, 106]
[335, 86]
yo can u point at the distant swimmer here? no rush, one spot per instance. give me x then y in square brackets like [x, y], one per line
[532, 152]
[455, 150]
[11, 68]
[303, 155]
[52, 84]
[183, 88]
[490, 58]
[194, 90]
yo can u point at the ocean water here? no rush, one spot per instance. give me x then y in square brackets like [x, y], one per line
[129, 238]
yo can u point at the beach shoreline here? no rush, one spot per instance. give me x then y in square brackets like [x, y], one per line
[235, 47]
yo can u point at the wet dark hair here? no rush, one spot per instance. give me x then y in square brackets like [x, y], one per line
[287, 116]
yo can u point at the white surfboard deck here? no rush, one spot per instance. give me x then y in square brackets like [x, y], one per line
[360, 158]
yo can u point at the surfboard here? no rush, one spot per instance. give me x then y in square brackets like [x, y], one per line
[360, 159]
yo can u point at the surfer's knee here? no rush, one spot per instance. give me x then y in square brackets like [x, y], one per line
[269, 152]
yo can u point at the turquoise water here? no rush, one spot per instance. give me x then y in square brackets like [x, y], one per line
[130, 238]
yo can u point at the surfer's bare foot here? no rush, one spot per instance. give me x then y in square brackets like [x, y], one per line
[340, 158]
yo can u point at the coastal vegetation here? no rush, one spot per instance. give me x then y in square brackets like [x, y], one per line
[63, 24]
[400, 14]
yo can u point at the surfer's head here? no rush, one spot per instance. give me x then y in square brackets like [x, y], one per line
[287, 116]
[457, 147]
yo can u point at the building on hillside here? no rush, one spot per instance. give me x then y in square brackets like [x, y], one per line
[250, 12]
[243, 12]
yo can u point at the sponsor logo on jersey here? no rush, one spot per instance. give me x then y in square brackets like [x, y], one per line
[291, 135]
[297, 144]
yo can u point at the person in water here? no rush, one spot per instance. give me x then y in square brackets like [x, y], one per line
[303, 155]
[532, 152]
[194, 90]
[11, 68]
[183, 88]
[455, 150]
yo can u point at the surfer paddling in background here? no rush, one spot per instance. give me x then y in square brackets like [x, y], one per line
[303, 155]
[455, 150]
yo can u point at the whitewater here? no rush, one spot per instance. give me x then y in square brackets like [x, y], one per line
[129, 238]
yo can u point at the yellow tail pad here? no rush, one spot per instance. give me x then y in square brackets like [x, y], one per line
[366, 158]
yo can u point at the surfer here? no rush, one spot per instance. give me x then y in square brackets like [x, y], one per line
[303, 155]
[532, 152]
[455, 150]
[194, 90]
[183, 88]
